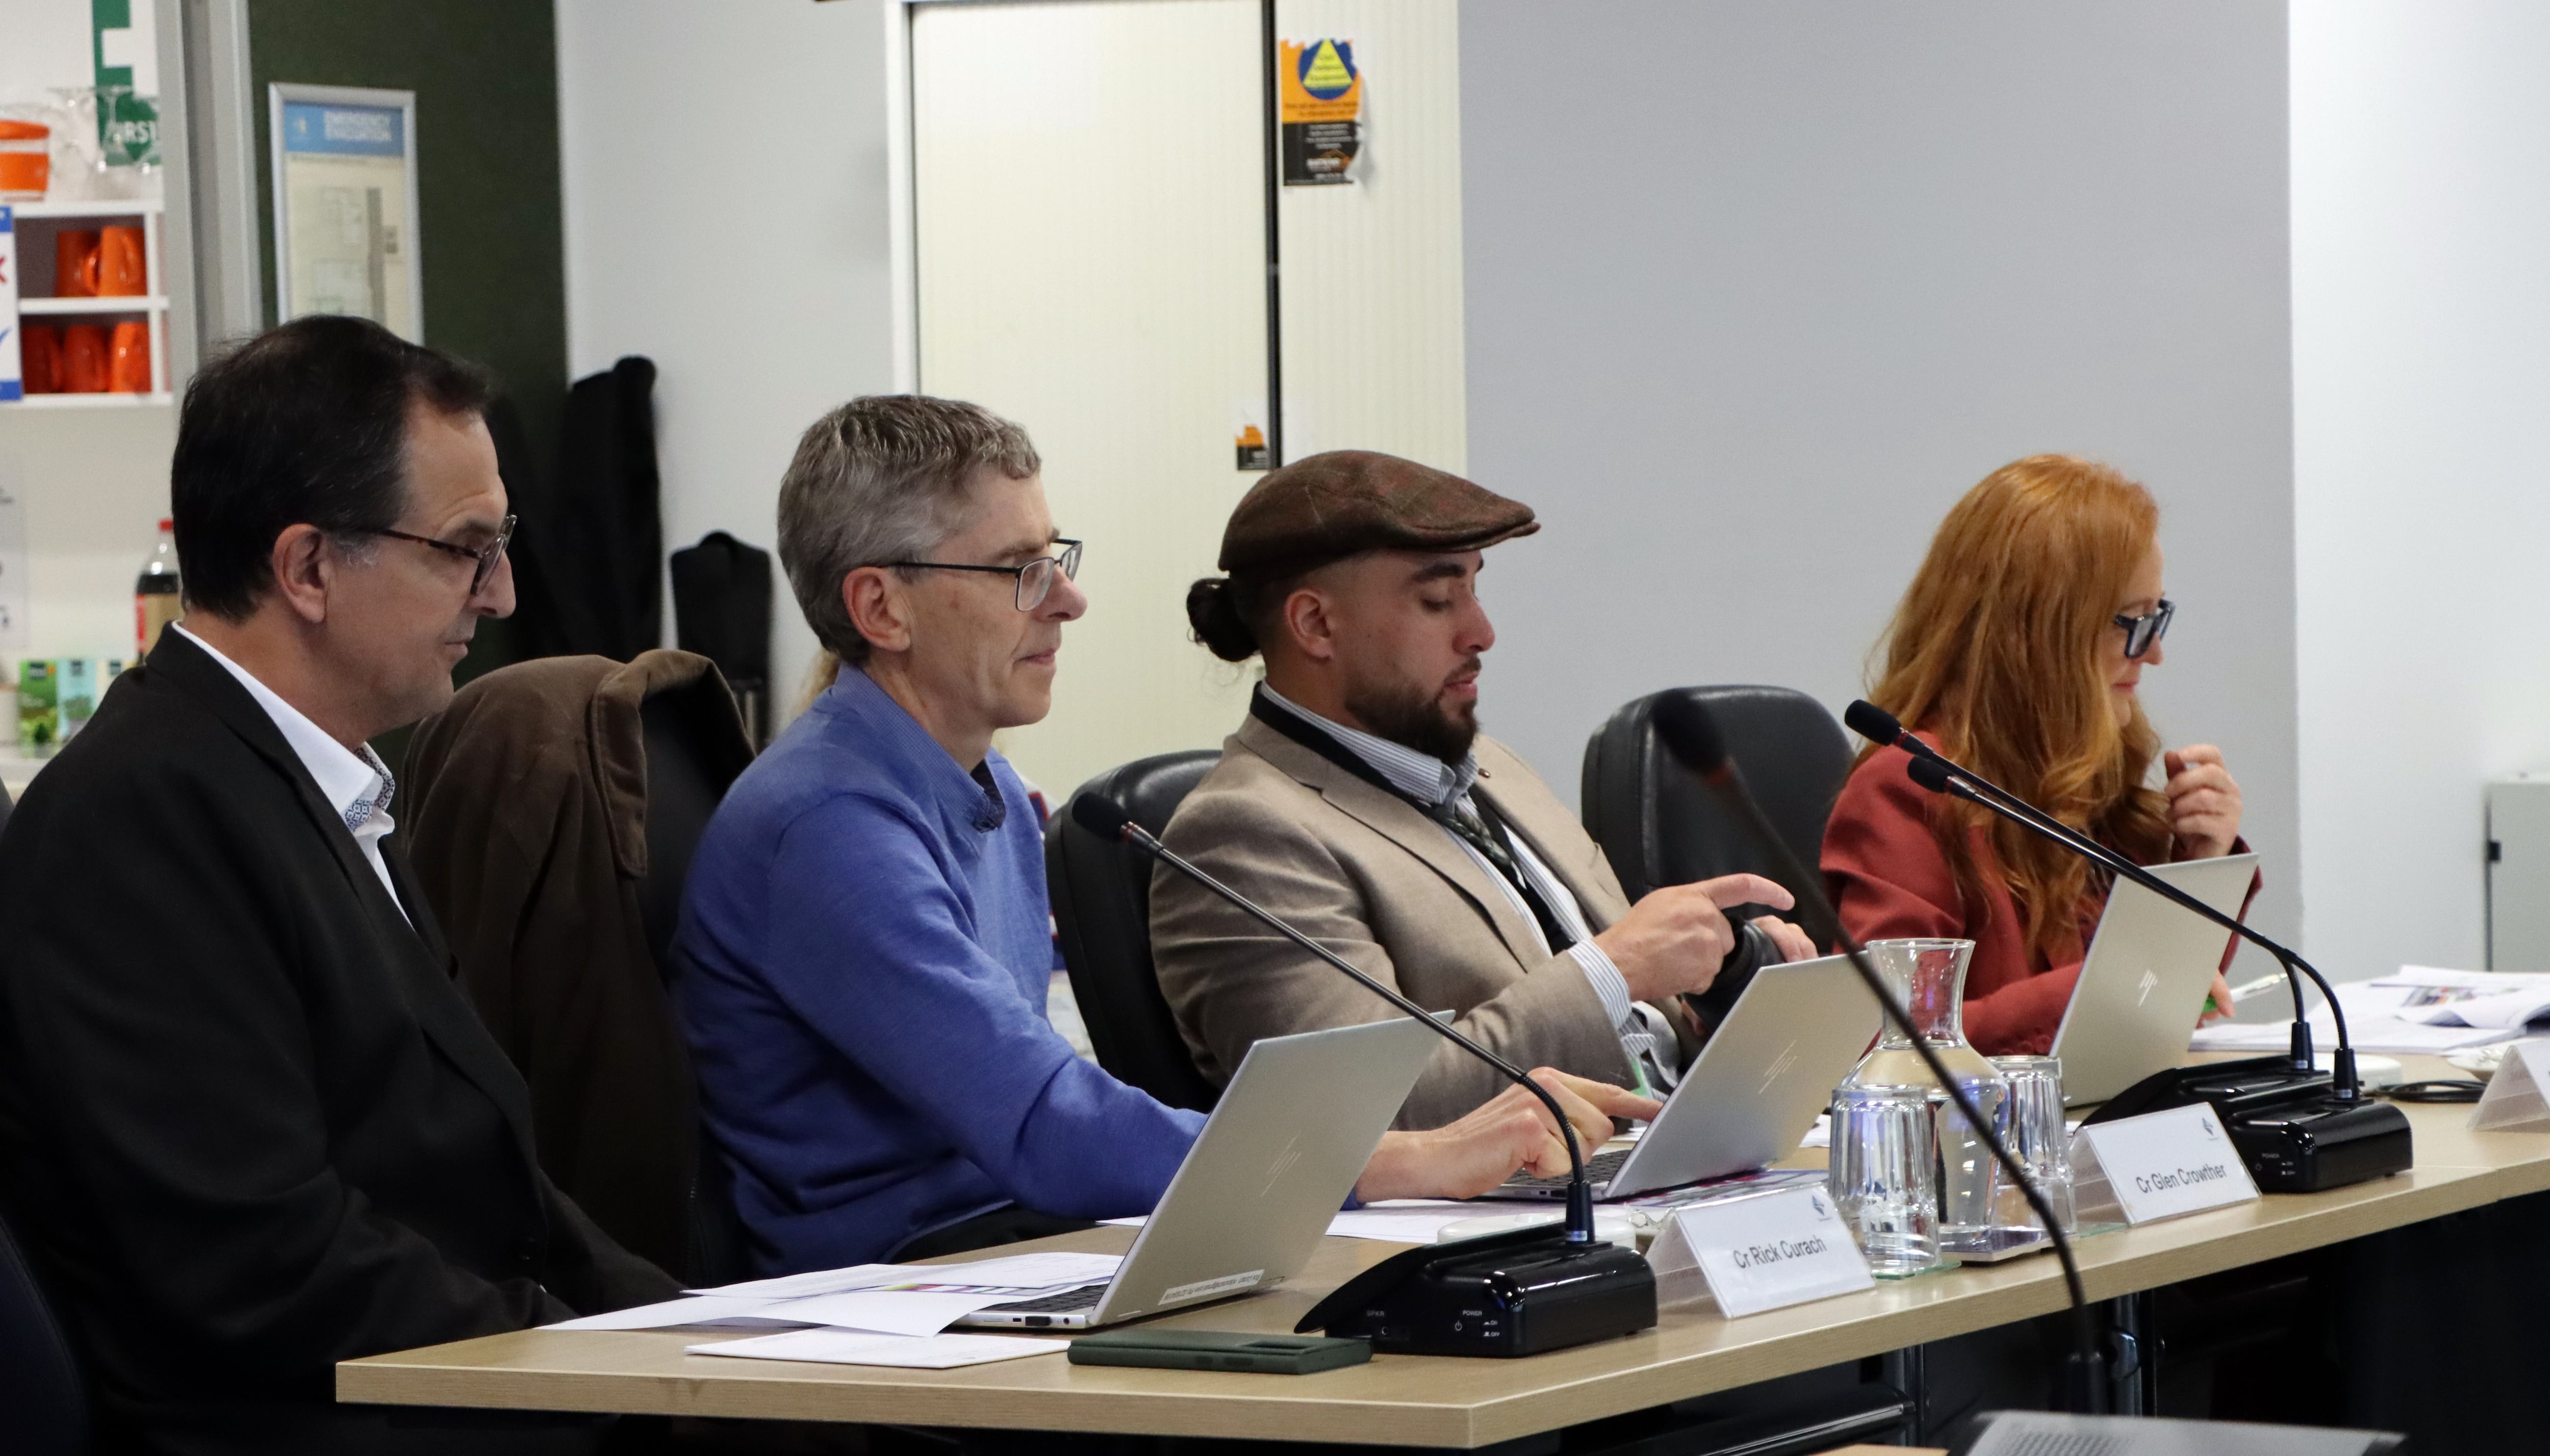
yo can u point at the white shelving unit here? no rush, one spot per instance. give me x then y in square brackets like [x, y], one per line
[36, 265]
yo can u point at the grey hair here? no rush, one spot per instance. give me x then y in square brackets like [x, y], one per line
[882, 479]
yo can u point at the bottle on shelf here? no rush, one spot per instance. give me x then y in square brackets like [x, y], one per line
[154, 595]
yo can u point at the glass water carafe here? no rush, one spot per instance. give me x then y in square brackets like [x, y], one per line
[1981, 1214]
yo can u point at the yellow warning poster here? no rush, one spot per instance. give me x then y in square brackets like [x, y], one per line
[1320, 96]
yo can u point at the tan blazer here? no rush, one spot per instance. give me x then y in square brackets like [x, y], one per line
[1371, 877]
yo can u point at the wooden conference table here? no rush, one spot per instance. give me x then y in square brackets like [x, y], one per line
[1422, 1401]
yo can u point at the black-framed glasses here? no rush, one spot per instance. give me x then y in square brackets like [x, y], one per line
[2141, 632]
[1035, 579]
[485, 557]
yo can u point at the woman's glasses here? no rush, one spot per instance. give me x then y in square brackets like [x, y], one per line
[2145, 630]
[1035, 579]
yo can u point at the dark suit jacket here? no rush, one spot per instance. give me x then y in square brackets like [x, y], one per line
[248, 1126]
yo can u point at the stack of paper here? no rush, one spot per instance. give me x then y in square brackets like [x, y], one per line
[2422, 1008]
[910, 1300]
[849, 1347]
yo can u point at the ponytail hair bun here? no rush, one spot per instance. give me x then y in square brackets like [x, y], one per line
[1213, 610]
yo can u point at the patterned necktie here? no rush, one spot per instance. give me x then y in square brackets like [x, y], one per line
[361, 810]
[1489, 839]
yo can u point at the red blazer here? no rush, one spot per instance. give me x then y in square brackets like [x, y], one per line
[1890, 880]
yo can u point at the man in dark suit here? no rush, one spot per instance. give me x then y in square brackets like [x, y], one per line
[249, 1126]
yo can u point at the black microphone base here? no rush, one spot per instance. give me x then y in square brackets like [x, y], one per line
[2232, 1087]
[2320, 1142]
[2293, 1132]
[1519, 1299]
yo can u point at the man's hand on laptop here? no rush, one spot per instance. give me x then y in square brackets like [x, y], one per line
[1510, 1131]
[1673, 942]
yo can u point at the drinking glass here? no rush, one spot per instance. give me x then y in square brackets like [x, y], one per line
[2038, 1138]
[1883, 1174]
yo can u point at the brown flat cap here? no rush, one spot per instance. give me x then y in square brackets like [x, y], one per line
[1332, 505]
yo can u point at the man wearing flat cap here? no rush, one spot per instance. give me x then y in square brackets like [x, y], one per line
[1361, 802]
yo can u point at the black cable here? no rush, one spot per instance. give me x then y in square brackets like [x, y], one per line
[2441, 1088]
[1270, 56]
[2085, 1334]
[1689, 734]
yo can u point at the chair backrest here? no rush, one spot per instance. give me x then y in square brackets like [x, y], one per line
[45, 1409]
[4, 806]
[1661, 827]
[1102, 910]
[692, 758]
[572, 966]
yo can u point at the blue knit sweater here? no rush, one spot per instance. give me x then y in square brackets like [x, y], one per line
[864, 949]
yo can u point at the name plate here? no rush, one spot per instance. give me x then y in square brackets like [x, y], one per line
[1760, 1253]
[2517, 1098]
[2157, 1166]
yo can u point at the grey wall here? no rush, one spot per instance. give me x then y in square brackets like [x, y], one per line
[1756, 290]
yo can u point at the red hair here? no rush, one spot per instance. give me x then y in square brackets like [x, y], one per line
[1995, 651]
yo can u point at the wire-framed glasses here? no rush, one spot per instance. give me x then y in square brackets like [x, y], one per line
[1035, 579]
[485, 557]
[2145, 630]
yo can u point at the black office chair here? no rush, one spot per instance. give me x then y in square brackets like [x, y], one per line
[45, 1410]
[1662, 827]
[696, 746]
[1102, 909]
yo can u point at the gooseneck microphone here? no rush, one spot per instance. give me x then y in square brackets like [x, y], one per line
[1689, 734]
[1935, 772]
[1108, 821]
[2292, 1136]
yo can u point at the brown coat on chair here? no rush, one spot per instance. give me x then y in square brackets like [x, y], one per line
[525, 808]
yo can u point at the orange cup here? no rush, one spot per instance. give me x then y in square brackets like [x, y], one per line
[25, 173]
[24, 168]
[128, 362]
[40, 357]
[85, 369]
[75, 263]
[122, 271]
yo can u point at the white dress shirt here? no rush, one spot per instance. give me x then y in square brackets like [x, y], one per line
[1643, 1032]
[357, 786]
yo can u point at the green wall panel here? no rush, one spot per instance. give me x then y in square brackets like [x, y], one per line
[485, 77]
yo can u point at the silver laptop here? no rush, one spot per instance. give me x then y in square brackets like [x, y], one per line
[1793, 1035]
[2143, 983]
[1275, 1162]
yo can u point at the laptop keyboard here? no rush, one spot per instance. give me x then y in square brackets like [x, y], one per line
[1597, 1171]
[1066, 1302]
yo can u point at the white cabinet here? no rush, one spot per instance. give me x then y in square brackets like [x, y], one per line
[2518, 873]
[37, 224]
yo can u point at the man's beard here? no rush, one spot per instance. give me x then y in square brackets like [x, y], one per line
[1415, 717]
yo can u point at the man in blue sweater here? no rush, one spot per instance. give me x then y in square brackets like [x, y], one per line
[866, 937]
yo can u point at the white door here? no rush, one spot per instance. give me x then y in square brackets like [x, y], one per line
[1090, 250]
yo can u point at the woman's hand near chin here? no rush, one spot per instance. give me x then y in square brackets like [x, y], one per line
[2203, 801]
[2219, 1004]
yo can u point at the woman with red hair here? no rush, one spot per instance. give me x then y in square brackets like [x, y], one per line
[2018, 652]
